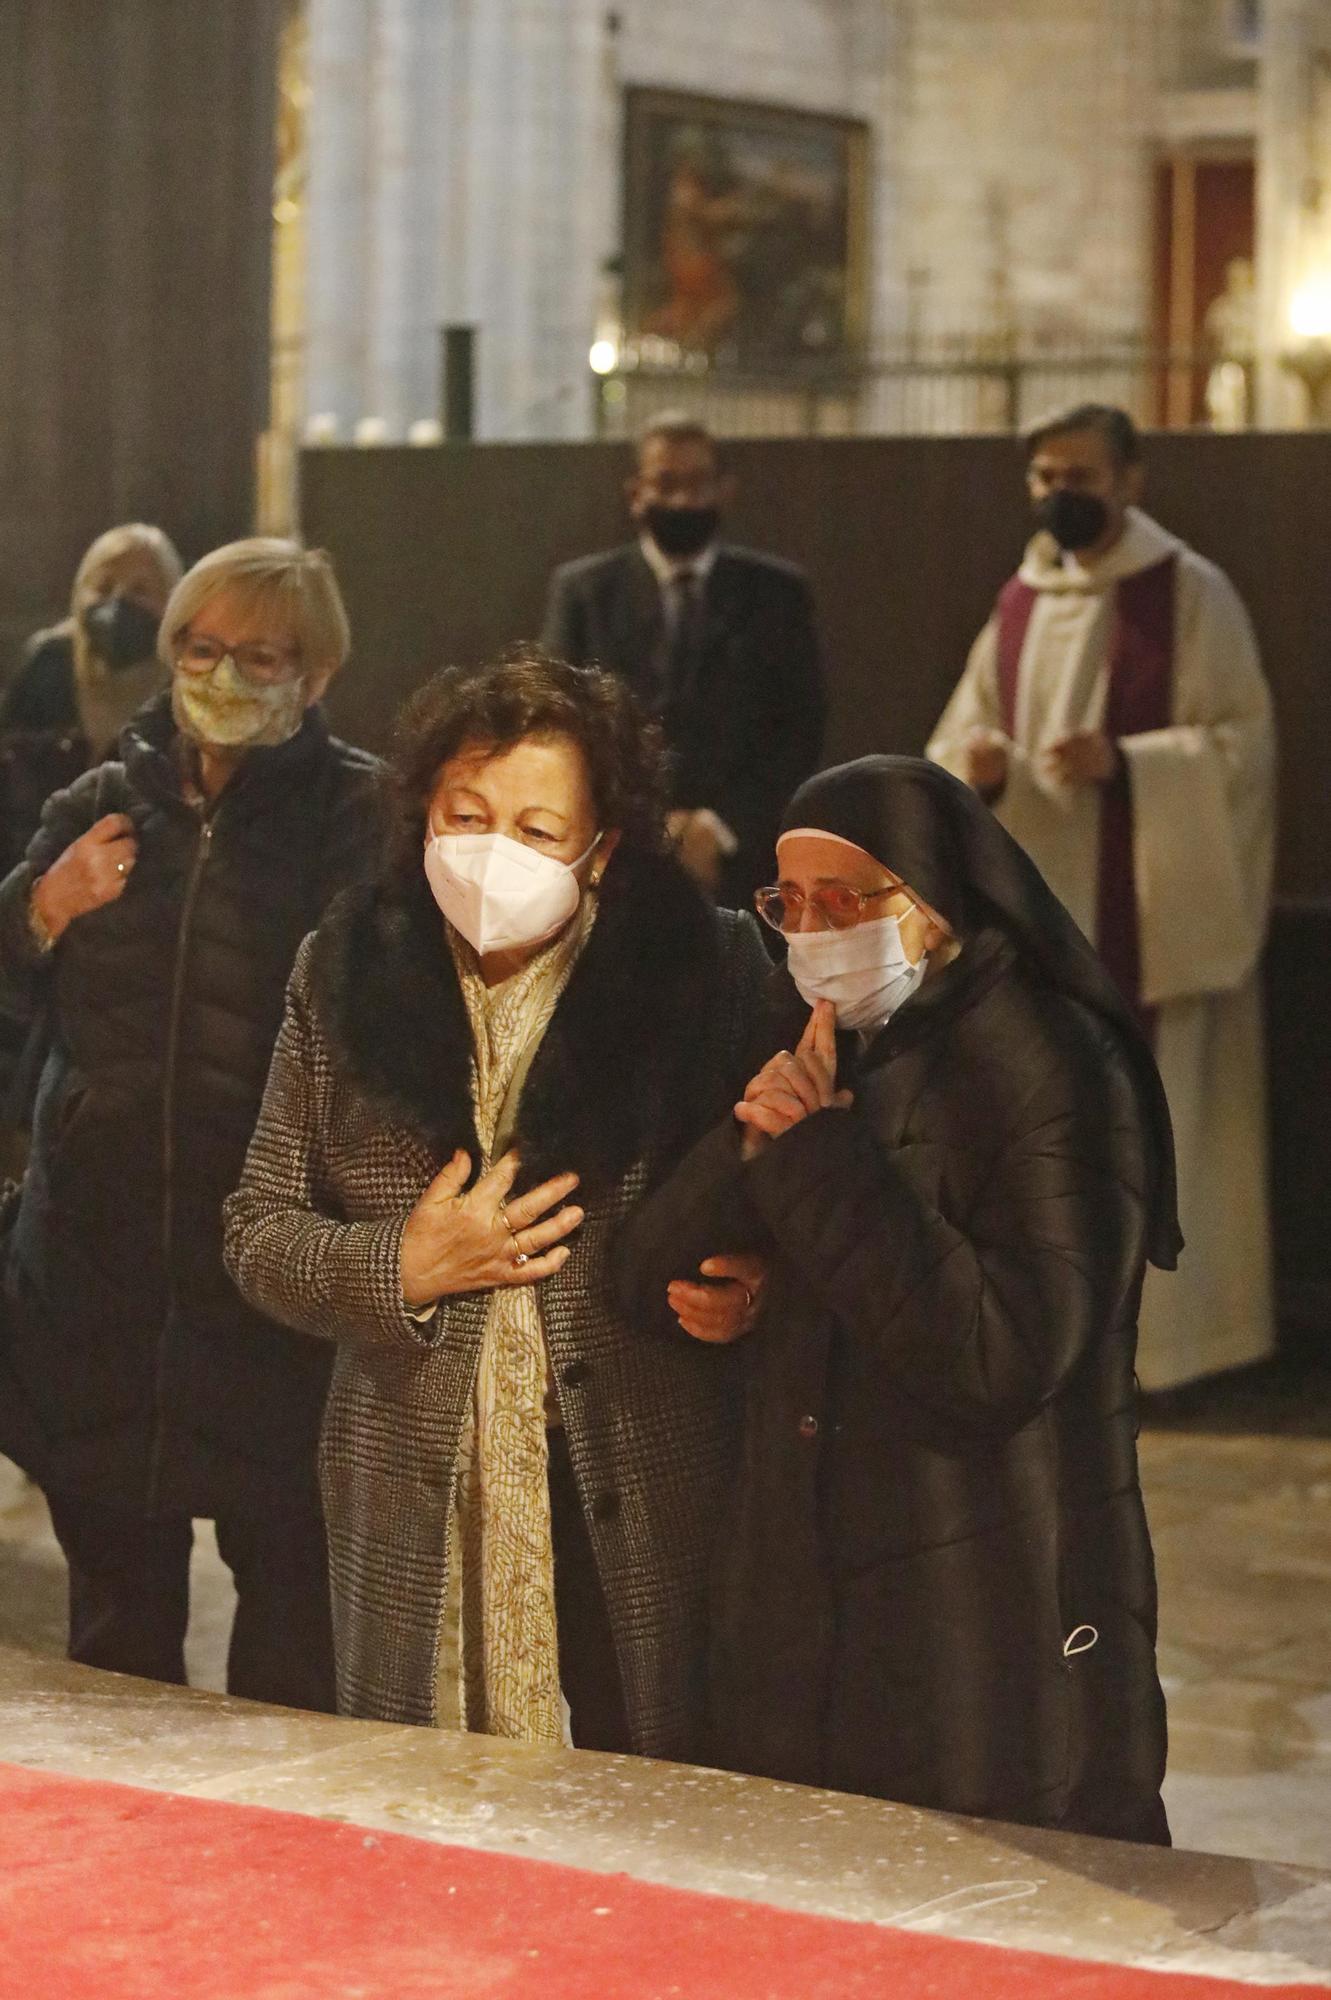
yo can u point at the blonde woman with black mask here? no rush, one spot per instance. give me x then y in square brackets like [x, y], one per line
[79, 682]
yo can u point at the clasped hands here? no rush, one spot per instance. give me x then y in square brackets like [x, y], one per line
[1083, 757]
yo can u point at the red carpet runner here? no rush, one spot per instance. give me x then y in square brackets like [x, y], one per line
[109, 1893]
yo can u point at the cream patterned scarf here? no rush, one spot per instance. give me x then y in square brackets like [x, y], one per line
[500, 1536]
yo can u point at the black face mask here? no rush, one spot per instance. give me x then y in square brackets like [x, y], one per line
[1075, 520]
[120, 631]
[682, 531]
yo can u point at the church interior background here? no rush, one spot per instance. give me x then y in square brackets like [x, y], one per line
[1119, 197]
[526, 224]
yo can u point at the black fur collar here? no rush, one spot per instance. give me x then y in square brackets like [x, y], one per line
[627, 1068]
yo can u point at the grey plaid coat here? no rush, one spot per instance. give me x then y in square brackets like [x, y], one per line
[368, 1096]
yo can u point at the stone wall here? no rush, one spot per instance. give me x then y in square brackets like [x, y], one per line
[465, 166]
[1024, 163]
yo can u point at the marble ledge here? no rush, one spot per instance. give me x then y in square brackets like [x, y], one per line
[692, 1828]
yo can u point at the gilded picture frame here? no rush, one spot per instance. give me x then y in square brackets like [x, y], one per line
[745, 232]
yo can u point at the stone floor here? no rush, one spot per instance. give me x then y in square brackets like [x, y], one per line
[1242, 1528]
[785, 1846]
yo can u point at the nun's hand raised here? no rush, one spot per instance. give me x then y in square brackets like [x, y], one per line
[792, 1087]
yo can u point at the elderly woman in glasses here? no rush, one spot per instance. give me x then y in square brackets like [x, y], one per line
[153, 923]
[936, 1581]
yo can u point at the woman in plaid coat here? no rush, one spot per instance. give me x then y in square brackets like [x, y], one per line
[488, 1057]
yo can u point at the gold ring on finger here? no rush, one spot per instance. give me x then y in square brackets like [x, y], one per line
[520, 1259]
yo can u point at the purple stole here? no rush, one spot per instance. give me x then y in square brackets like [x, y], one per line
[1140, 698]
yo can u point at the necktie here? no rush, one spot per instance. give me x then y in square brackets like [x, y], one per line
[683, 634]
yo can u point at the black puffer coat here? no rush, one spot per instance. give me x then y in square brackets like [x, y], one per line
[936, 1584]
[133, 1370]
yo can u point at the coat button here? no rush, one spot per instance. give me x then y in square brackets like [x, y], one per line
[808, 1427]
[605, 1506]
[576, 1374]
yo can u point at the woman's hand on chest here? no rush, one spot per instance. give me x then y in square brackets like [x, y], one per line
[475, 1241]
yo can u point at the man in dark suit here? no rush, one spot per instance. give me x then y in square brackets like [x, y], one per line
[716, 641]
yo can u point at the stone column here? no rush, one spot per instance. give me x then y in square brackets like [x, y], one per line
[1293, 190]
[535, 187]
[399, 255]
[135, 210]
[340, 276]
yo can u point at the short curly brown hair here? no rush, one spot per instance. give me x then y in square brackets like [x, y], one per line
[528, 692]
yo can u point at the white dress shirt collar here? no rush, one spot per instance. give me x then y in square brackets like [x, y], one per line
[666, 568]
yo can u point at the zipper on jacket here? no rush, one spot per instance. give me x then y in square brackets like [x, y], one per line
[201, 851]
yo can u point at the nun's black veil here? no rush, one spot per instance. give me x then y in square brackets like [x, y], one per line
[945, 844]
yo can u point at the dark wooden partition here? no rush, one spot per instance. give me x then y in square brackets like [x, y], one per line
[444, 555]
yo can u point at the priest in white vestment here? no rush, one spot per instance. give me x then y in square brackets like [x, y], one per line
[1115, 714]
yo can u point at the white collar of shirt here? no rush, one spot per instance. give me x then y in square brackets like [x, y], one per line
[666, 568]
[1142, 544]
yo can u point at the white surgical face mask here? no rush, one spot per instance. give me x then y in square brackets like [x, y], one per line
[864, 971]
[501, 895]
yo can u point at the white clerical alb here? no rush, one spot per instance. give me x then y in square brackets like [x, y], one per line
[1202, 852]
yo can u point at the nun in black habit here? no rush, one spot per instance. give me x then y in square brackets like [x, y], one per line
[935, 1580]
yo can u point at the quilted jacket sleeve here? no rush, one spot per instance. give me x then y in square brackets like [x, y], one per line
[67, 815]
[983, 1315]
[701, 1209]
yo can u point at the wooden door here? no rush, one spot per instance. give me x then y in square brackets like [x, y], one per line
[1205, 226]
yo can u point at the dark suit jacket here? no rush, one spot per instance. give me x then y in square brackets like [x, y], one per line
[750, 728]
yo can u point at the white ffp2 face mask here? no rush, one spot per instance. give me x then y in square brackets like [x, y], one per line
[864, 971]
[498, 893]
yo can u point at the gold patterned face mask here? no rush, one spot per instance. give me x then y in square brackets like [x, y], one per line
[224, 711]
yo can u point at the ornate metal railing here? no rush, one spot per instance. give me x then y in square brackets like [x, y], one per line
[954, 387]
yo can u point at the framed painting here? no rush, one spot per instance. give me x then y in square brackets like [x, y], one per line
[745, 234]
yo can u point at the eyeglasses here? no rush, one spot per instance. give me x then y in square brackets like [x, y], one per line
[261, 665]
[836, 903]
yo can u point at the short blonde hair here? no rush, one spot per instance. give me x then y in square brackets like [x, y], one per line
[294, 585]
[129, 538]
